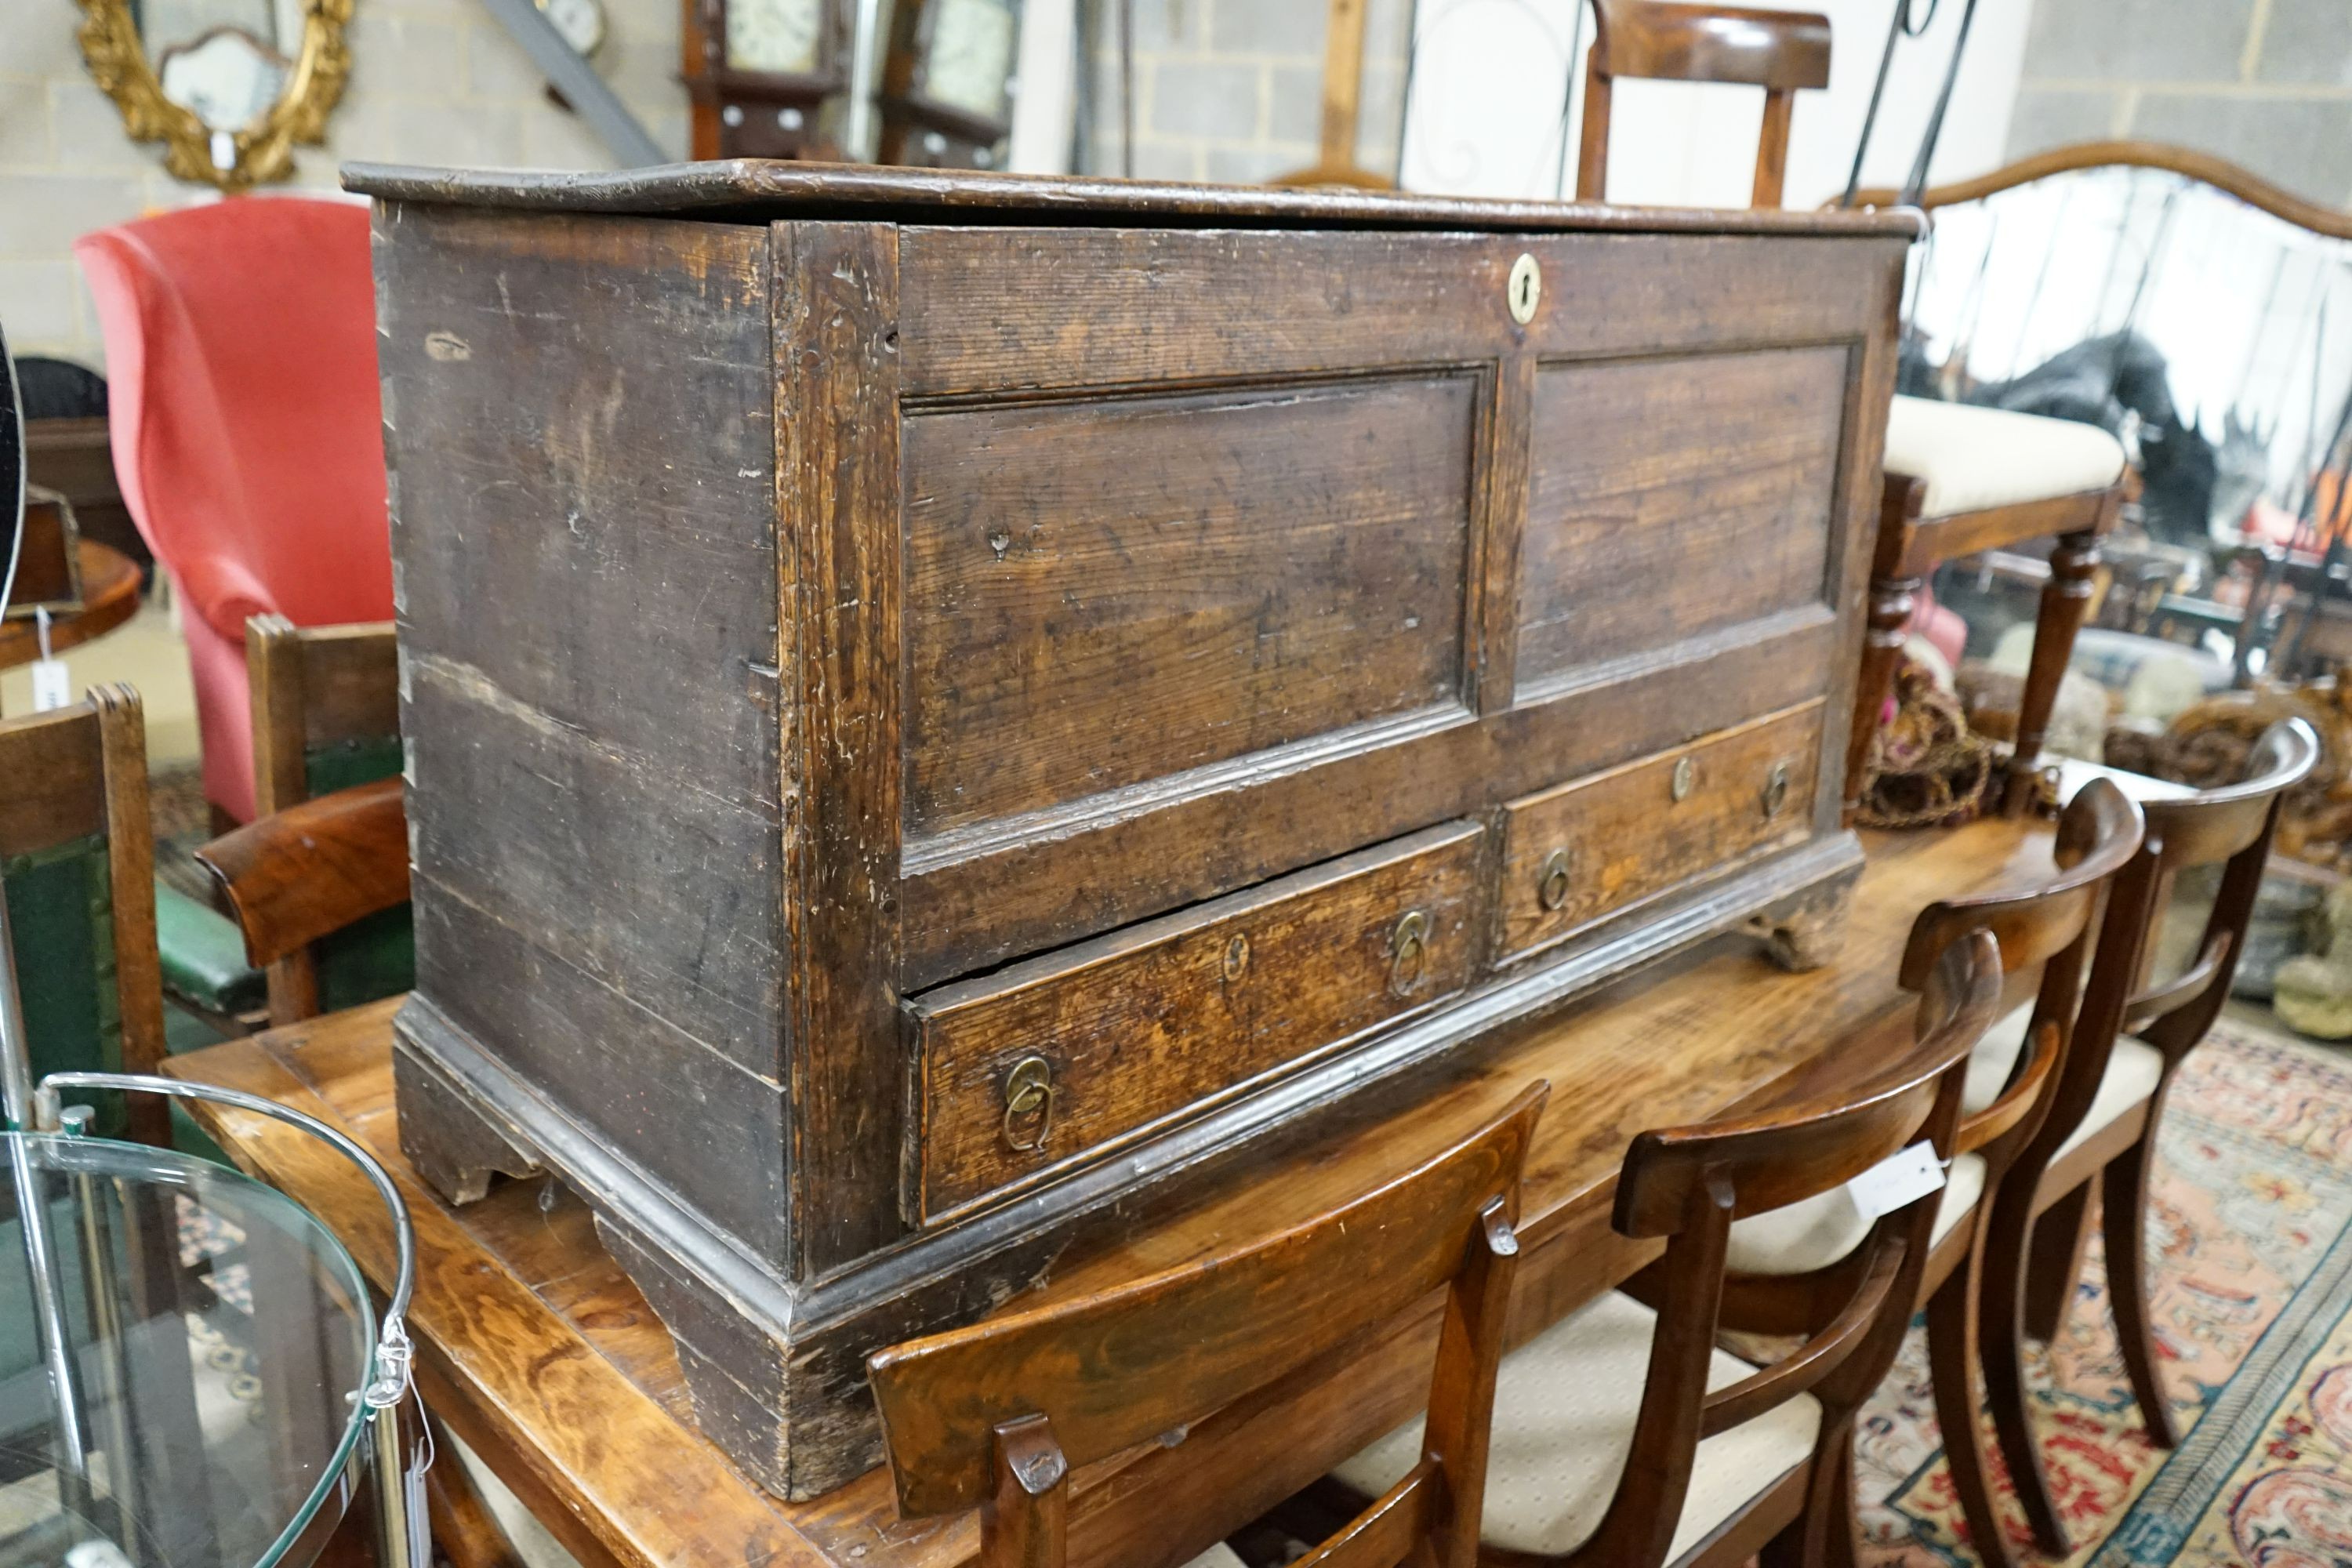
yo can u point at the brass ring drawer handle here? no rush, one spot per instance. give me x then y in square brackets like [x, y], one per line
[1409, 953]
[1553, 883]
[1686, 777]
[1029, 1088]
[1776, 790]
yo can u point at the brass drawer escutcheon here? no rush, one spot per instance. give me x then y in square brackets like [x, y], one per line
[1028, 1088]
[1236, 960]
[1409, 953]
[1684, 779]
[1776, 791]
[1553, 883]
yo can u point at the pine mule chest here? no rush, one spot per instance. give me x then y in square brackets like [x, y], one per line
[940, 707]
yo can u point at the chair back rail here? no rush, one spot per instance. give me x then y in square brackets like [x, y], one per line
[2232, 826]
[1687, 1184]
[2054, 924]
[1779, 51]
[995, 1416]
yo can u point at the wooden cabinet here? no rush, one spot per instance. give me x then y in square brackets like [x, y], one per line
[942, 709]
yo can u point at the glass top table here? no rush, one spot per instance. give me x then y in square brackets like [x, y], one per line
[213, 1341]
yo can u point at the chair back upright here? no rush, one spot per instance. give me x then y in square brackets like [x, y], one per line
[326, 718]
[1688, 1184]
[2232, 827]
[2055, 925]
[77, 860]
[247, 430]
[997, 1414]
[1779, 51]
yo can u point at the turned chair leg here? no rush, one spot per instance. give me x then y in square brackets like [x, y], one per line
[1952, 1369]
[1891, 603]
[2054, 1263]
[2001, 1330]
[2125, 1225]
[2065, 598]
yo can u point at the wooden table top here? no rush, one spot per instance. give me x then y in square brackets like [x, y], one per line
[539, 1351]
[109, 596]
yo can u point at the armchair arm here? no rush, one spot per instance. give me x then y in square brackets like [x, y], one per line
[297, 875]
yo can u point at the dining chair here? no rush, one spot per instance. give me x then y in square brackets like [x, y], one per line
[77, 857]
[1779, 51]
[246, 431]
[1622, 1435]
[995, 1416]
[2108, 1096]
[326, 718]
[1779, 1260]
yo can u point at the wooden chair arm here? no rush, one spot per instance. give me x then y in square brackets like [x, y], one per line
[297, 875]
[2018, 1100]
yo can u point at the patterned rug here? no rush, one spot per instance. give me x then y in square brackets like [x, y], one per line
[2252, 1223]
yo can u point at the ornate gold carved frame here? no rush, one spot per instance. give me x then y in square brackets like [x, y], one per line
[263, 150]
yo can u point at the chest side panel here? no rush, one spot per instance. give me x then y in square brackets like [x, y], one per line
[584, 533]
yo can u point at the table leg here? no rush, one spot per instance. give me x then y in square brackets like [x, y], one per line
[2064, 599]
[1891, 605]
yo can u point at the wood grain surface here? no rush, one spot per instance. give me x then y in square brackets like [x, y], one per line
[544, 1355]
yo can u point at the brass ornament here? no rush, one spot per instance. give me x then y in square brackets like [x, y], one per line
[262, 152]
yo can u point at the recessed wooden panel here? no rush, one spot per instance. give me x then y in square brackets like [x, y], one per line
[1574, 854]
[1101, 593]
[1134, 1026]
[1671, 497]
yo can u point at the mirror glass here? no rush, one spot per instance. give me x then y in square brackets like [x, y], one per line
[2213, 338]
[226, 61]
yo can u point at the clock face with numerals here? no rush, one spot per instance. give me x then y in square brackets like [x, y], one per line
[778, 37]
[969, 64]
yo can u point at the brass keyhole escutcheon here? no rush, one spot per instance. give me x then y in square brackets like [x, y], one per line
[1686, 777]
[1029, 1090]
[1552, 885]
[1409, 953]
[1237, 956]
[1776, 790]
[1524, 288]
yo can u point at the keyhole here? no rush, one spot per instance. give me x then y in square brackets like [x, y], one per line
[1525, 288]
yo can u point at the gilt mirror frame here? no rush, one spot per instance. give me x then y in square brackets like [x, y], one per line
[262, 152]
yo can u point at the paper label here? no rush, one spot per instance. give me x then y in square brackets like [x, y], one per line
[1900, 1178]
[51, 689]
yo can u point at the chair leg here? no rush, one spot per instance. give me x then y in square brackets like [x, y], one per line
[2064, 599]
[2054, 1263]
[2001, 1338]
[2125, 1225]
[1952, 1368]
[1827, 1533]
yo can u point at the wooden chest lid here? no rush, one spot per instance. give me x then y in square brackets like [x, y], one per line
[756, 190]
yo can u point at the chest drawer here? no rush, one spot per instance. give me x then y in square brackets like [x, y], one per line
[1588, 848]
[1025, 1067]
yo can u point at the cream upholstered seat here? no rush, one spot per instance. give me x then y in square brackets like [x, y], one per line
[2133, 1070]
[1818, 1231]
[1218, 1556]
[1564, 1404]
[1974, 460]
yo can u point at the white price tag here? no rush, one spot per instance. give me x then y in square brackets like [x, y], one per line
[1901, 1177]
[51, 689]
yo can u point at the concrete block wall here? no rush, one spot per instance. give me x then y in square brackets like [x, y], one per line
[1231, 90]
[2265, 83]
[433, 81]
